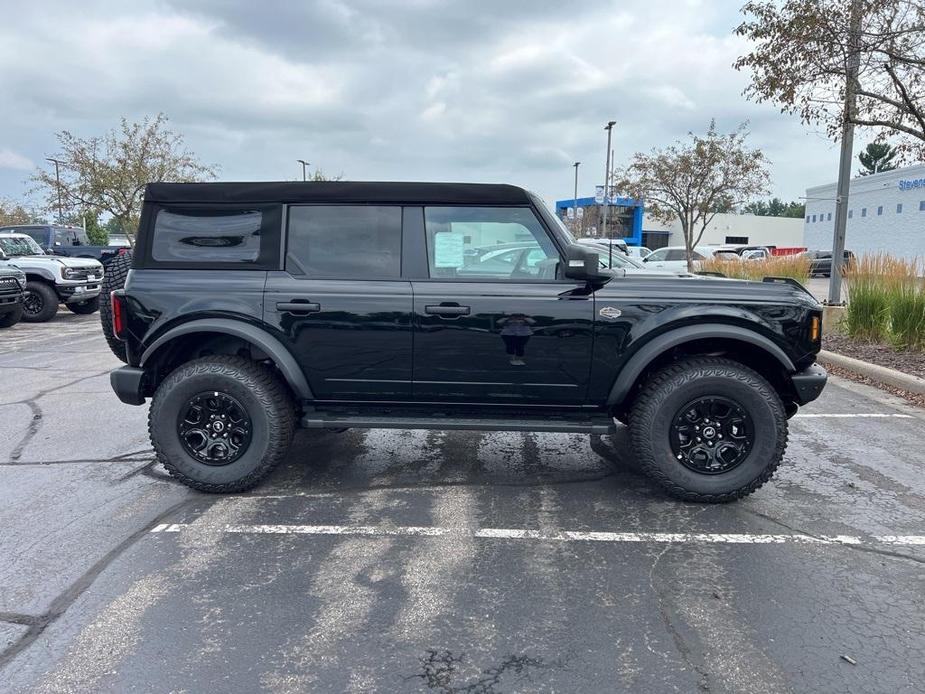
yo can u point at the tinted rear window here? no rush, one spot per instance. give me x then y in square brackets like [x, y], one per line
[344, 241]
[226, 236]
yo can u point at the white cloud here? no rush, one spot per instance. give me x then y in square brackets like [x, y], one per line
[11, 160]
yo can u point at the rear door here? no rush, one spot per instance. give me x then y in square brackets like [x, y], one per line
[340, 301]
[493, 322]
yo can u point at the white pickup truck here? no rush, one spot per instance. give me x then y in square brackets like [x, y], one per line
[51, 279]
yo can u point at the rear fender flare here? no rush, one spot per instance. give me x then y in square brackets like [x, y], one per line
[257, 337]
[658, 345]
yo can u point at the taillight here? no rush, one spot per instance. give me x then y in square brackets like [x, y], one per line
[118, 316]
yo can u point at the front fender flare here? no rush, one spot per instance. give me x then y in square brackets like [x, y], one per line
[261, 339]
[688, 333]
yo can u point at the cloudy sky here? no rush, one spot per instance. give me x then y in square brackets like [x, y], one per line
[464, 90]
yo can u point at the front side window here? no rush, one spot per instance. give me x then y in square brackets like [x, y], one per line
[207, 236]
[71, 237]
[344, 241]
[491, 243]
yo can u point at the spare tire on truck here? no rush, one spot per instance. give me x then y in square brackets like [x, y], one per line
[114, 278]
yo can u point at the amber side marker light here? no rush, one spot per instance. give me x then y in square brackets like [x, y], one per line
[815, 331]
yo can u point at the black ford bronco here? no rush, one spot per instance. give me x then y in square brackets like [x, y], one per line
[254, 308]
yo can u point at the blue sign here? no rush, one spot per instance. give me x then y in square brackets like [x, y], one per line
[912, 184]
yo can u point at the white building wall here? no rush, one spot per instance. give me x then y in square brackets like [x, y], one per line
[875, 223]
[784, 232]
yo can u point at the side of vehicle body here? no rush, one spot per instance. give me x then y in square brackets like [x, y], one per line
[637, 252]
[821, 262]
[52, 280]
[64, 241]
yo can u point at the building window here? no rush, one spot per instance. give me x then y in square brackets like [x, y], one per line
[814, 218]
[899, 208]
[921, 205]
[807, 218]
[829, 219]
[863, 211]
[850, 214]
[737, 239]
[879, 210]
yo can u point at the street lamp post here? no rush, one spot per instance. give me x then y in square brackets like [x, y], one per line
[57, 162]
[575, 208]
[609, 129]
[304, 164]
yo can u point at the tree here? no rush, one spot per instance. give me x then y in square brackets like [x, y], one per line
[108, 173]
[692, 180]
[877, 157]
[14, 213]
[800, 62]
[775, 207]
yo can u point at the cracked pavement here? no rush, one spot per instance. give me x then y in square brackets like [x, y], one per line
[92, 600]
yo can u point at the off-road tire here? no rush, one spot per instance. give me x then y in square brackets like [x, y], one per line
[668, 390]
[267, 401]
[48, 298]
[85, 308]
[8, 320]
[113, 278]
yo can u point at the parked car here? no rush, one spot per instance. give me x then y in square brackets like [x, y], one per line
[52, 280]
[675, 258]
[368, 319]
[618, 244]
[12, 284]
[64, 240]
[637, 252]
[626, 263]
[821, 262]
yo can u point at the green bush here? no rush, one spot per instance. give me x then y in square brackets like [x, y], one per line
[907, 315]
[886, 301]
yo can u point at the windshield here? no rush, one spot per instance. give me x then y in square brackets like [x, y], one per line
[551, 218]
[20, 245]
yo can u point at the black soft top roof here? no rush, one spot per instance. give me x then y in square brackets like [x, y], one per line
[338, 192]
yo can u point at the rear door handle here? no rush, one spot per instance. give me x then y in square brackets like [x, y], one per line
[297, 307]
[451, 311]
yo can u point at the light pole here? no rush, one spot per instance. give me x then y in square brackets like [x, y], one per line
[847, 147]
[576, 164]
[609, 129]
[57, 162]
[304, 164]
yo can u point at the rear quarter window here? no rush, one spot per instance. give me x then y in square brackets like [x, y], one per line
[243, 237]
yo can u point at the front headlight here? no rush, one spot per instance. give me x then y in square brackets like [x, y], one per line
[70, 273]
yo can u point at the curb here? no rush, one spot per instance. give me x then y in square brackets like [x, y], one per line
[881, 374]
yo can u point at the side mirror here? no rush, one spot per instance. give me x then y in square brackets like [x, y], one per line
[583, 264]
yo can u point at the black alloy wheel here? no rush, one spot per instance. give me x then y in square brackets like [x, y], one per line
[214, 428]
[711, 435]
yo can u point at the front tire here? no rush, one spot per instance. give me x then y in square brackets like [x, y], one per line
[709, 430]
[221, 424]
[85, 308]
[40, 302]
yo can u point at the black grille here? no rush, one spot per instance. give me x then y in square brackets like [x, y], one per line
[8, 285]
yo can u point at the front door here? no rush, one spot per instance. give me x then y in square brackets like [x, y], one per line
[493, 323]
[341, 303]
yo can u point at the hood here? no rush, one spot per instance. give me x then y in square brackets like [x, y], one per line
[694, 288]
[73, 262]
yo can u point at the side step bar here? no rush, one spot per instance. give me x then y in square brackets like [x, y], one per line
[591, 425]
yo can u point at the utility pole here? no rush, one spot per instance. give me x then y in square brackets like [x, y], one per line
[304, 164]
[58, 162]
[847, 149]
[609, 129]
[576, 164]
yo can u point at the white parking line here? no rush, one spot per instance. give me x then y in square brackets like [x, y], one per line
[854, 414]
[556, 536]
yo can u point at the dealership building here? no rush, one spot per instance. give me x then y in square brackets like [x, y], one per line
[626, 219]
[886, 212]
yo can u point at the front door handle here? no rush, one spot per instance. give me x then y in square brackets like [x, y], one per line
[448, 311]
[297, 307]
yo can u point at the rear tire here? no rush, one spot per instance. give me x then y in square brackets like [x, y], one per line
[8, 320]
[725, 397]
[40, 302]
[221, 424]
[85, 308]
[113, 278]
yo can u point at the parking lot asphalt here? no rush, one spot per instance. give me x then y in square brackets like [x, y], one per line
[445, 561]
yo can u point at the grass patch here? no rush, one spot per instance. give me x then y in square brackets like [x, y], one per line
[794, 266]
